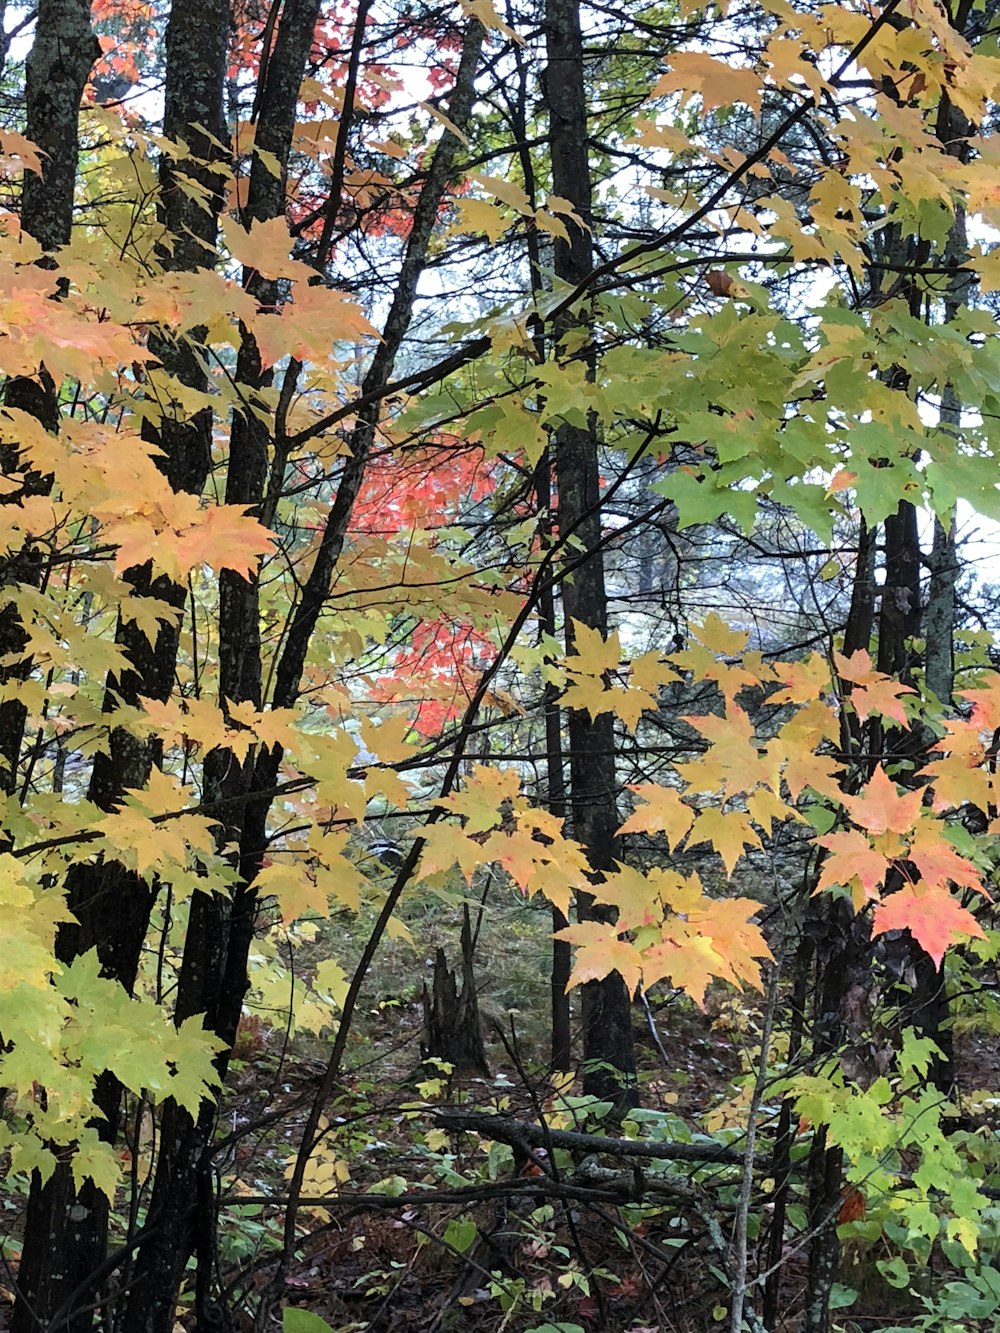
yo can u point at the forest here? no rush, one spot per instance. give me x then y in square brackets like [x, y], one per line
[499, 666]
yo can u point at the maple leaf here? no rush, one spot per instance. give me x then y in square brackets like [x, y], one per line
[185, 721]
[985, 706]
[765, 807]
[932, 916]
[881, 809]
[718, 81]
[516, 852]
[593, 655]
[295, 889]
[651, 671]
[663, 812]
[802, 768]
[715, 635]
[803, 681]
[480, 215]
[717, 939]
[588, 694]
[389, 739]
[96, 1161]
[939, 862]
[737, 938]
[877, 694]
[226, 537]
[857, 668]
[598, 951]
[729, 832]
[310, 325]
[853, 862]
[446, 844]
[172, 530]
[689, 965]
[635, 895]
[486, 789]
[18, 153]
[734, 753]
[263, 248]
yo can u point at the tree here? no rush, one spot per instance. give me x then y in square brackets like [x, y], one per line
[280, 539]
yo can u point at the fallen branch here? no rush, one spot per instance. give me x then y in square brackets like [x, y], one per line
[522, 1134]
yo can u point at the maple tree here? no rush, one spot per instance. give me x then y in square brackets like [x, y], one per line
[332, 405]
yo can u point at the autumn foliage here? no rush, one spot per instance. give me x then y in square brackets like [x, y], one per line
[315, 430]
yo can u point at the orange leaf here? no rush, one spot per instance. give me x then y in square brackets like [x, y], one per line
[932, 916]
[939, 863]
[852, 1209]
[881, 809]
[852, 860]
[600, 951]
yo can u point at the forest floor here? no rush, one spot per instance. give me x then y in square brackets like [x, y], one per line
[378, 1263]
[526, 1265]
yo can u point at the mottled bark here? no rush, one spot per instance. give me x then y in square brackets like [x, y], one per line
[66, 1232]
[57, 70]
[609, 1055]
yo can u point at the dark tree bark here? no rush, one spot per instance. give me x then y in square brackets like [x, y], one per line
[555, 795]
[66, 1231]
[609, 1055]
[213, 978]
[57, 70]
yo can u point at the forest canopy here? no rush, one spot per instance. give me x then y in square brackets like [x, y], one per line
[499, 482]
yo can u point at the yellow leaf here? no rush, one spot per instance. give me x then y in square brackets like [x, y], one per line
[331, 979]
[480, 215]
[715, 635]
[730, 833]
[554, 226]
[484, 11]
[264, 248]
[506, 191]
[449, 125]
[593, 654]
[718, 82]
[765, 807]
[294, 887]
[445, 844]
[663, 812]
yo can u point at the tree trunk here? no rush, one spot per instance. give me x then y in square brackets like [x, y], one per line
[61, 1222]
[608, 1049]
[56, 74]
[213, 978]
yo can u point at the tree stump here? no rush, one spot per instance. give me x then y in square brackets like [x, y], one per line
[452, 1030]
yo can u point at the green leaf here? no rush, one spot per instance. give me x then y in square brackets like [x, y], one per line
[303, 1321]
[702, 500]
[895, 1272]
[841, 1297]
[460, 1233]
